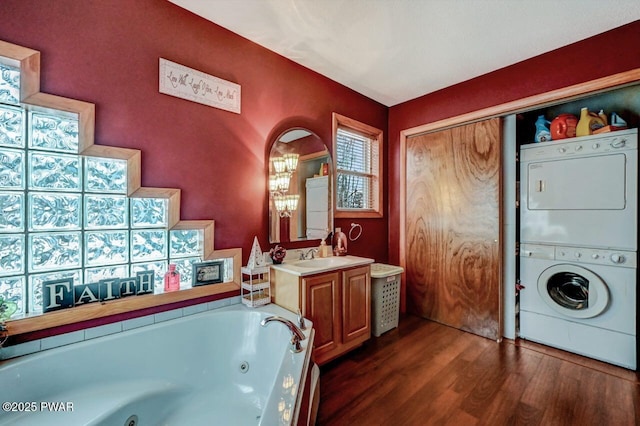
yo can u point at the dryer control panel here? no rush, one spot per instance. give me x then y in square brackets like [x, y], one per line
[622, 140]
[621, 258]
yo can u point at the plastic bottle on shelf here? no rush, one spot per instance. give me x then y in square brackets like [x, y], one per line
[603, 117]
[589, 121]
[172, 279]
[542, 129]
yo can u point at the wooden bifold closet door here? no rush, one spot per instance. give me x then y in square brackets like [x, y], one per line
[453, 249]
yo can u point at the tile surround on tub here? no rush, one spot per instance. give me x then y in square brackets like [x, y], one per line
[61, 340]
[102, 330]
[20, 350]
[137, 322]
[194, 309]
[167, 315]
[116, 327]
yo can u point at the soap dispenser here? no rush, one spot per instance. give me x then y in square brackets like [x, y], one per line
[323, 251]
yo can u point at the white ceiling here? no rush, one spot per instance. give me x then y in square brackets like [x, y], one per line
[396, 50]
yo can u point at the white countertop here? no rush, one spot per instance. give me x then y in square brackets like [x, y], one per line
[321, 264]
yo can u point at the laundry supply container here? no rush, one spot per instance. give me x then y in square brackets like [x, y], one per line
[385, 297]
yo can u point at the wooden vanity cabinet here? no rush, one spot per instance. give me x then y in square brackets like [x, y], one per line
[338, 303]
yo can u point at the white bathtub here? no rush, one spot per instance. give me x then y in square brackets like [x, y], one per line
[219, 367]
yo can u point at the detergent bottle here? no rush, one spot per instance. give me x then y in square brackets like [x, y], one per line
[542, 129]
[589, 121]
[564, 126]
[603, 117]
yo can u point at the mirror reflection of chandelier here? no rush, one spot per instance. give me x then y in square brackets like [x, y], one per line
[286, 204]
[279, 182]
[286, 164]
[284, 167]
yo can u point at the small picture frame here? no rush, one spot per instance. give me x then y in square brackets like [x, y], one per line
[210, 272]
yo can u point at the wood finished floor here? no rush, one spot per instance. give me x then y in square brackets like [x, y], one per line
[424, 373]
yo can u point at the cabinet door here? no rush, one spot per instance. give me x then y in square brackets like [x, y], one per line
[356, 304]
[322, 306]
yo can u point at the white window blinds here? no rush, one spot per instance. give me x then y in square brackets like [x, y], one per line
[357, 181]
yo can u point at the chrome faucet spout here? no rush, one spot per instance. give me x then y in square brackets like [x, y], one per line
[296, 334]
[305, 255]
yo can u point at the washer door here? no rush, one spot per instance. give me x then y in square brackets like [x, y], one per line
[573, 291]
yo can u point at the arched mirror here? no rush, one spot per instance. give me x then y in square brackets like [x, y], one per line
[299, 176]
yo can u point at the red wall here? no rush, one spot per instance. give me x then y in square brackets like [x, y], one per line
[606, 54]
[107, 52]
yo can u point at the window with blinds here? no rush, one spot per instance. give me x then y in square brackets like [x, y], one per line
[357, 151]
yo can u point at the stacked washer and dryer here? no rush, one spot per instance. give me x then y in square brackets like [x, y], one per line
[578, 245]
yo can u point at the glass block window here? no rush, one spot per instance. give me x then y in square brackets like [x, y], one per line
[12, 209]
[64, 216]
[11, 125]
[12, 169]
[9, 84]
[53, 133]
[186, 243]
[11, 254]
[149, 212]
[54, 172]
[106, 175]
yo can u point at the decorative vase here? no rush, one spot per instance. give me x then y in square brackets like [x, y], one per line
[339, 243]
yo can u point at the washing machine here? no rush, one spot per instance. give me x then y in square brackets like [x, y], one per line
[581, 300]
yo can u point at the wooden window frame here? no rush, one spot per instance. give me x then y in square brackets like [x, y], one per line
[376, 135]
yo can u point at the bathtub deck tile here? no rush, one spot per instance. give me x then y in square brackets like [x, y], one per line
[137, 322]
[62, 339]
[103, 330]
[194, 309]
[217, 304]
[20, 349]
[167, 315]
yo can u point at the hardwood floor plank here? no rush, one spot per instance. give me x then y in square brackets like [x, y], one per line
[425, 373]
[353, 376]
[561, 402]
[540, 387]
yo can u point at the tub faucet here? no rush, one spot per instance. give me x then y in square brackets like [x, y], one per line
[296, 334]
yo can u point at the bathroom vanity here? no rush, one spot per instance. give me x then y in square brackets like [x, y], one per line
[334, 293]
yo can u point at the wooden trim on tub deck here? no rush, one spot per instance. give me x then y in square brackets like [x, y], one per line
[131, 304]
[98, 310]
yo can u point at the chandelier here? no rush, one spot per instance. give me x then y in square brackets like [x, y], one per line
[284, 167]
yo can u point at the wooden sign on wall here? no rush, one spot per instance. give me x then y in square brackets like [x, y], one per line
[186, 83]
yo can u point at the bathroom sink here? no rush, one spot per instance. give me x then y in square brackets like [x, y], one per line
[325, 262]
[321, 264]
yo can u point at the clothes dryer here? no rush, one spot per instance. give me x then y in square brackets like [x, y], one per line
[581, 191]
[582, 300]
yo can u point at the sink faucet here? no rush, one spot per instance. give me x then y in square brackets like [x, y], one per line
[296, 334]
[305, 255]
